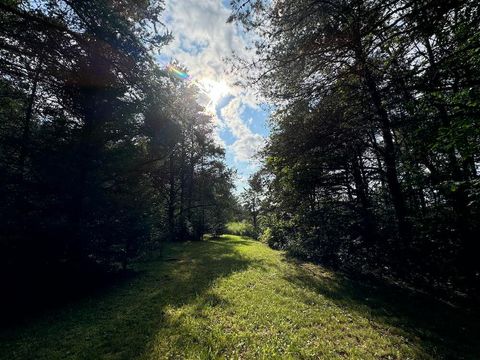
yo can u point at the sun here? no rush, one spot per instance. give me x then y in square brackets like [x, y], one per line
[214, 90]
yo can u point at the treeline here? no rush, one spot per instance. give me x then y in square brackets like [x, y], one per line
[374, 157]
[103, 154]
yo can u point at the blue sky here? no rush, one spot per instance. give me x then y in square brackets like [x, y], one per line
[202, 41]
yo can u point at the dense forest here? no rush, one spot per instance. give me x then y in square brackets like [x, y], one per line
[374, 157]
[372, 165]
[104, 154]
[243, 179]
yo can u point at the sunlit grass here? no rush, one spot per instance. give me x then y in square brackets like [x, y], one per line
[236, 298]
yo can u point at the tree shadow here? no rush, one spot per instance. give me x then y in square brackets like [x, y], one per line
[126, 319]
[30, 293]
[122, 322]
[445, 331]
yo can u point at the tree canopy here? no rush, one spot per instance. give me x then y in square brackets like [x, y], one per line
[373, 160]
[103, 153]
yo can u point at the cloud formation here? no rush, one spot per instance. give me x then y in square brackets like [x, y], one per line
[202, 41]
[202, 38]
[248, 143]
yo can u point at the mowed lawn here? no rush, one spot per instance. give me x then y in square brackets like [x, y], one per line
[234, 298]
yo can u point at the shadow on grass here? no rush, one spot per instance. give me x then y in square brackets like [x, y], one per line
[34, 291]
[126, 319]
[121, 322]
[442, 330]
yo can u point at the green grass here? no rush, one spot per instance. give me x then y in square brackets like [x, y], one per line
[233, 298]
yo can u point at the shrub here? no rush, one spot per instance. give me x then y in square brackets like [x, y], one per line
[241, 228]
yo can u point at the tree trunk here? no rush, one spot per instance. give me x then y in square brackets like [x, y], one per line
[183, 190]
[458, 198]
[21, 196]
[171, 198]
[389, 155]
[361, 189]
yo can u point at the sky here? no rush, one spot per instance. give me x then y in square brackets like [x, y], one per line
[202, 41]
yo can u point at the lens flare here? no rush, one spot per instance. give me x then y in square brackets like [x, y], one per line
[214, 90]
[178, 73]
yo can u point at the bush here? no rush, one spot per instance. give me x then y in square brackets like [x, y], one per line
[241, 228]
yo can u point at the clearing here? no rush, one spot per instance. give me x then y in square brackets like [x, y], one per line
[233, 298]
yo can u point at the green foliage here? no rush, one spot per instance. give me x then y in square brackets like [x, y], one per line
[251, 201]
[372, 164]
[241, 228]
[103, 155]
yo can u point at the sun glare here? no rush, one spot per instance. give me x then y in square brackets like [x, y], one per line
[214, 90]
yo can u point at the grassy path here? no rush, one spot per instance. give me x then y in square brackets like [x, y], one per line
[237, 299]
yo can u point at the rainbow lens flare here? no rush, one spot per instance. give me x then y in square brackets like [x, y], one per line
[178, 73]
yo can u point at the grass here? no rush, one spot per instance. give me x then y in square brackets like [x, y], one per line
[234, 298]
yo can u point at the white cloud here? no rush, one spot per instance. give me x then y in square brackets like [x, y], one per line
[202, 41]
[202, 38]
[248, 143]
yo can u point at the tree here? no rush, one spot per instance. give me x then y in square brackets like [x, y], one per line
[103, 153]
[369, 131]
[251, 199]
